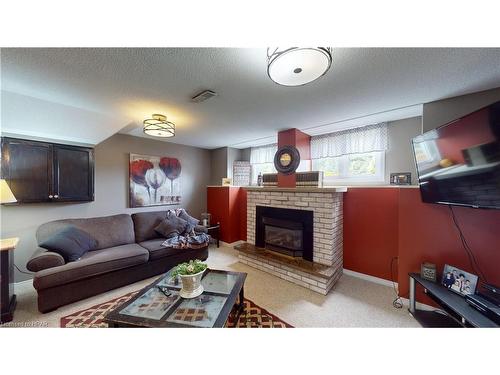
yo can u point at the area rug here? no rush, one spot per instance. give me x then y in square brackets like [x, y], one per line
[253, 316]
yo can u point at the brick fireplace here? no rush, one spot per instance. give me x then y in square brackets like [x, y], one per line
[285, 230]
[311, 260]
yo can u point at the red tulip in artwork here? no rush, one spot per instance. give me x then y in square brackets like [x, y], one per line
[172, 169]
[148, 176]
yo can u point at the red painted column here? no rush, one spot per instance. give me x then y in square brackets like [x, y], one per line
[301, 141]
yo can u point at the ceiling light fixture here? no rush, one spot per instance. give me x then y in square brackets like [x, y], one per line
[158, 126]
[297, 66]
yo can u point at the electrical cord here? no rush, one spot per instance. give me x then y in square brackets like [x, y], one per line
[398, 302]
[472, 260]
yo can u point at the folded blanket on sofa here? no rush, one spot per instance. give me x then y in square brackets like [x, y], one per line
[194, 241]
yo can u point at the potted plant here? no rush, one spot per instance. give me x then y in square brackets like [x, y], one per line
[190, 275]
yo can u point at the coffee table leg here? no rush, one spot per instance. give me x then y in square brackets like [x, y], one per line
[241, 304]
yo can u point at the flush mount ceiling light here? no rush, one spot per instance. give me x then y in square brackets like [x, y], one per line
[297, 66]
[158, 126]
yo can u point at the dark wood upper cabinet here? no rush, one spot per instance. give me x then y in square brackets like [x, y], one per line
[73, 173]
[48, 172]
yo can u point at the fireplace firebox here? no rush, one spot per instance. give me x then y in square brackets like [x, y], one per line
[285, 231]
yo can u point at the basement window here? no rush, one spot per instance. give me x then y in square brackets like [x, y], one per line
[364, 167]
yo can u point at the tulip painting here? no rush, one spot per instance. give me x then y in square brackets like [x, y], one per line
[154, 180]
[172, 169]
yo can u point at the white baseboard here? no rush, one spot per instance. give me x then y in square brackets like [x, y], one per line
[378, 280]
[232, 243]
[373, 279]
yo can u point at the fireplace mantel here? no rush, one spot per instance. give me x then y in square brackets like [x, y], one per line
[339, 189]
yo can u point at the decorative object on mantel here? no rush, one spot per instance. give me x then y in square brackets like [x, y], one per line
[269, 179]
[310, 179]
[148, 181]
[241, 173]
[297, 66]
[158, 126]
[428, 271]
[402, 178]
[303, 179]
[190, 274]
[287, 159]
[226, 181]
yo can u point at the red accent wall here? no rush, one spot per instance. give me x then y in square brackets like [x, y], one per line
[228, 206]
[380, 223]
[371, 230]
[302, 141]
[427, 233]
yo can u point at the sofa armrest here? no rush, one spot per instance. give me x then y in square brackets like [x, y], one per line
[200, 229]
[43, 259]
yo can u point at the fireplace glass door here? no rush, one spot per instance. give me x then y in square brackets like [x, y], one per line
[283, 236]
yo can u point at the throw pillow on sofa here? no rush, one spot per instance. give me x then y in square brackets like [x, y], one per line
[192, 222]
[171, 226]
[70, 242]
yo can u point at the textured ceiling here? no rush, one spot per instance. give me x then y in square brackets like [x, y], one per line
[118, 88]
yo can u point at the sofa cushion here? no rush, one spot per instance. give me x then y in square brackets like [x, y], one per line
[145, 224]
[91, 264]
[157, 251]
[108, 231]
[192, 222]
[70, 242]
[172, 226]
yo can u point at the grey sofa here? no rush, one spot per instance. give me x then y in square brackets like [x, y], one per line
[128, 250]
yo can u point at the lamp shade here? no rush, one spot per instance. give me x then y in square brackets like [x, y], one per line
[6, 195]
[158, 126]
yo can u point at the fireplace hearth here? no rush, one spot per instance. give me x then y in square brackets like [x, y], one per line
[286, 231]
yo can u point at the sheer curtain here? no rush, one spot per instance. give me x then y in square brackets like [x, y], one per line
[262, 160]
[352, 141]
[263, 154]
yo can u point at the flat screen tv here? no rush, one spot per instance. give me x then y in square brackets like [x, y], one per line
[459, 162]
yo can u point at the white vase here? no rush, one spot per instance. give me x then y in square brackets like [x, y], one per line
[191, 285]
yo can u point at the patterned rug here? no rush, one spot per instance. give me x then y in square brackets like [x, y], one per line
[252, 317]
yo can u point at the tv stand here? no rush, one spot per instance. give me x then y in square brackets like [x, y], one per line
[456, 311]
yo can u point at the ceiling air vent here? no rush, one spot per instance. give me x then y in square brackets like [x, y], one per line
[202, 96]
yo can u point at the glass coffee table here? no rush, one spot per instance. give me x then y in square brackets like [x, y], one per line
[159, 304]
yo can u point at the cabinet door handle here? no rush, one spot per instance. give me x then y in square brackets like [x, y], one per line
[51, 196]
[56, 196]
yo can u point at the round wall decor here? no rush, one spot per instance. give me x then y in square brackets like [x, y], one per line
[287, 159]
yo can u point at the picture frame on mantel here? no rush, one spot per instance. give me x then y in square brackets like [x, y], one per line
[401, 178]
[154, 180]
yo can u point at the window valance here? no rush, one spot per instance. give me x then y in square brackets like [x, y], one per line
[358, 140]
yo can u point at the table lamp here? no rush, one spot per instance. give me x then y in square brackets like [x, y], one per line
[6, 195]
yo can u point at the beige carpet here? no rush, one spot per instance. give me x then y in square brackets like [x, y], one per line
[353, 302]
